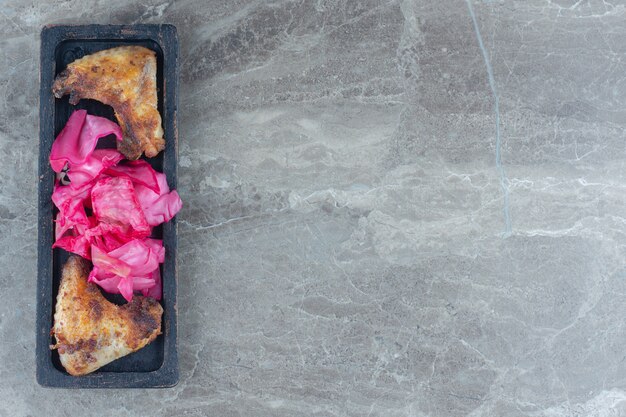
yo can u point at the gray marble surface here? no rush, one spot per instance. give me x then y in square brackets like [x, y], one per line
[393, 208]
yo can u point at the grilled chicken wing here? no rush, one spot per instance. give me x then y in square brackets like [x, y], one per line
[90, 331]
[124, 78]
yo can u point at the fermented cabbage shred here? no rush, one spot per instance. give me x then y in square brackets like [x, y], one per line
[108, 210]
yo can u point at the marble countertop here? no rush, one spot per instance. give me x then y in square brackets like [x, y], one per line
[391, 208]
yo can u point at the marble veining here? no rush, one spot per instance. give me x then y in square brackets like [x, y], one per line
[496, 109]
[392, 208]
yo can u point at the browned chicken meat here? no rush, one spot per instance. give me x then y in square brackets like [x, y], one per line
[125, 79]
[90, 331]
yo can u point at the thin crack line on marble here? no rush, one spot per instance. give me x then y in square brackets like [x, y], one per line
[231, 220]
[12, 22]
[492, 86]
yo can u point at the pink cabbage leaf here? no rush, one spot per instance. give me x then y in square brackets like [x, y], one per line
[128, 268]
[78, 139]
[114, 202]
[140, 172]
[158, 207]
[69, 201]
[94, 165]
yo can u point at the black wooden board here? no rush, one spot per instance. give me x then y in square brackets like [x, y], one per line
[156, 365]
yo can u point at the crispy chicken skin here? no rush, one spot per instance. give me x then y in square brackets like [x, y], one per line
[90, 331]
[125, 79]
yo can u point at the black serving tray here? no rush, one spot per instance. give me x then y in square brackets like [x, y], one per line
[156, 365]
